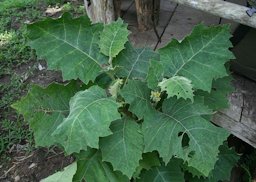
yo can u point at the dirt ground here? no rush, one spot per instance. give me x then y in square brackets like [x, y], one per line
[34, 166]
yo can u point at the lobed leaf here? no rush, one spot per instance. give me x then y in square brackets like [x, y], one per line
[69, 45]
[91, 113]
[113, 37]
[200, 56]
[123, 149]
[45, 109]
[91, 168]
[227, 159]
[177, 86]
[181, 131]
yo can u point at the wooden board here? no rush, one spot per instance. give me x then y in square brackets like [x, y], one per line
[240, 117]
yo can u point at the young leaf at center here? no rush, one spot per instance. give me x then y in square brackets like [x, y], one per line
[177, 86]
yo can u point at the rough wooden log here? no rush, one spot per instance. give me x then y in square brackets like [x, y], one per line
[104, 11]
[222, 9]
[147, 13]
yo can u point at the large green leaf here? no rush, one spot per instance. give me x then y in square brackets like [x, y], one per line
[90, 168]
[123, 149]
[137, 94]
[133, 62]
[170, 173]
[182, 131]
[218, 97]
[200, 57]
[63, 176]
[91, 113]
[113, 38]
[45, 109]
[177, 86]
[69, 45]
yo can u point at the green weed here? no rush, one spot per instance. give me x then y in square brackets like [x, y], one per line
[15, 132]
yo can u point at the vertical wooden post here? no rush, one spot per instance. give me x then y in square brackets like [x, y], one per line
[104, 11]
[147, 13]
[117, 7]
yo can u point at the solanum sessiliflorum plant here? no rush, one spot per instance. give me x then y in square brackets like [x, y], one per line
[129, 113]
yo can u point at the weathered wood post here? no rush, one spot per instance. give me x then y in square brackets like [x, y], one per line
[147, 13]
[104, 11]
[117, 7]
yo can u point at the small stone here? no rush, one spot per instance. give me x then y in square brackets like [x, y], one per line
[40, 67]
[17, 178]
[32, 165]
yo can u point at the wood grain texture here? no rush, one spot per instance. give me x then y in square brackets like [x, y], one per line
[240, 117]
[100, 10]
[147, 13]
[222, 9]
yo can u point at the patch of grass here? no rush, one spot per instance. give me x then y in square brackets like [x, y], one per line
[15, 56]
[14, 53]
[4, 5]
[13, 133]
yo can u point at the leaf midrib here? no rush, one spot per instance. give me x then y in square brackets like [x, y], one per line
[74, 47]
[199, 51]
[133, 65]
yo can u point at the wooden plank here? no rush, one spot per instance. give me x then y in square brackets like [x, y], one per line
[239, 129]
[240, 117]
[222, 9]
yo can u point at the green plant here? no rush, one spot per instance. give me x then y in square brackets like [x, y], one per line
[7, 4]
[14, 132]
[130, 113]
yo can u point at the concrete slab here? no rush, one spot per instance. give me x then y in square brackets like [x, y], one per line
[148, 38]
[183, 21]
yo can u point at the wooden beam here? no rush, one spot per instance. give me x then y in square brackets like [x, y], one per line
[239, 129]
[222, 9]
